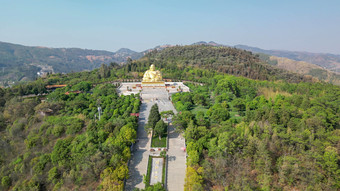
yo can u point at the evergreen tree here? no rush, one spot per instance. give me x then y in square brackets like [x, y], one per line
[154, 116]
[160, 128]
[104, 71]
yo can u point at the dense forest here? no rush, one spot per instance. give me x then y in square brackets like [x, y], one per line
[61, 144]
[243, 134]
[267, 130]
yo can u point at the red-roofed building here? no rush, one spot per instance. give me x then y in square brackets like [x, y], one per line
[134, 114]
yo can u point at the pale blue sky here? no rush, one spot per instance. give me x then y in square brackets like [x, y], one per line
[304, 25]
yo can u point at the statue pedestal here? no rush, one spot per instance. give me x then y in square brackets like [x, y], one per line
[153, 84]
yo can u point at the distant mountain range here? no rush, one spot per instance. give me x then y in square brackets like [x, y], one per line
[327, 61]
[20, 63]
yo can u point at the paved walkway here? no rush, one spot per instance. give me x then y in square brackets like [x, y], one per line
[176, 161]
[139, 160]
[156, 170]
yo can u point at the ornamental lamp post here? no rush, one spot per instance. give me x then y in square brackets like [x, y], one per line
[99, 111]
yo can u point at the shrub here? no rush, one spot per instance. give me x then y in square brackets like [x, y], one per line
[53, 174]
[32, 141]
[74, 127]
[58, 130]
[6, 182]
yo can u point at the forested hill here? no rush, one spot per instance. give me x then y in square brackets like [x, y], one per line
[22, 63]
[324, 67]
[241, 134]
[217, 59]
[19, 62]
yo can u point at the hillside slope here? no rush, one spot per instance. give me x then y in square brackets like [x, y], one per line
[23, 63]
[241, 134]
[327, 61]
[216, 59]
[19, 62]
[302, 67]
[306, 68]
[321, 66]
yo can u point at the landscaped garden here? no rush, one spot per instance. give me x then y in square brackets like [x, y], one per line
[156, 166]
[157, 126]
[156, 142]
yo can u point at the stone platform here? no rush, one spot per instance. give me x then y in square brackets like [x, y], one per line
[153, 84]
[129, 88]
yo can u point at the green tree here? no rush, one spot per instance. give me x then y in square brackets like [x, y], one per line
[193, 133]
[239, 104]
[181, 120]
[154, 117]
[82, 86]
[156, 187]
[167, 114]
[160, 129]
[6, 182]
[53, 174]
[200, 119]
[193, 179]
[219, 114]
[331, 166]
[104, 71]
[60, 154]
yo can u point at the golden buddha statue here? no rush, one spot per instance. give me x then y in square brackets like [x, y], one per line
[152, 75]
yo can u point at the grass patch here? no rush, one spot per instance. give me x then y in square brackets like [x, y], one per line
[270, 93]
[155, 142]
[163, 171]
[198, 108]
[147, 177]
[148, 173]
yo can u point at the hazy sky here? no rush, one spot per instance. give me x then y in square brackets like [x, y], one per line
[304, 25]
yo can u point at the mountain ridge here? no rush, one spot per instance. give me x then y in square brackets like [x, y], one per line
[224, 60]
[22, 63]
[326, 60]
[324, 66]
